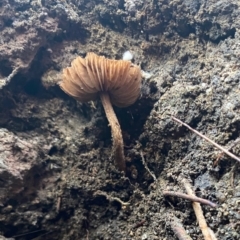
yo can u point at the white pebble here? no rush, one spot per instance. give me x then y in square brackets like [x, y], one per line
[127, 56]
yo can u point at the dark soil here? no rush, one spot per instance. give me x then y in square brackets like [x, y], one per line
[57, 177]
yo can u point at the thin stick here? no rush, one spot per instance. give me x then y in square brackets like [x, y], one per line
[87, 235]
[198, 212]
[58, 204]
[207, 139]
[27, 233]
[13, 73]
[43, 235]
[139, 224]
[229, 148]
[190, 198]
[212, 234]
[179, 230]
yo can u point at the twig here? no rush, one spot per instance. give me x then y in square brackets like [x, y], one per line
[179, 230]
[139, 224]
[191, 198]
[13, 73]
[229, 148]
[207, 139]
[87, 235]
[27, 233]
[58, 204]
[40, 236]
[234, 168]
[145, 165]
[212, 234]
[199, 213]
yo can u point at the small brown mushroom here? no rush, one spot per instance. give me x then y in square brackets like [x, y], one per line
[115, 81]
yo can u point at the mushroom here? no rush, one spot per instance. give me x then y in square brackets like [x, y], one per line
[116, 82]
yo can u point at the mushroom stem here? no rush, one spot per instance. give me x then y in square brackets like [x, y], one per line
[116, 131]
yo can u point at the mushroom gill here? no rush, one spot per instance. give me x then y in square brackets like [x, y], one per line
[114, 81]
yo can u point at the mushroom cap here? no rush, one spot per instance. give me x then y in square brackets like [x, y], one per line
[89, 76]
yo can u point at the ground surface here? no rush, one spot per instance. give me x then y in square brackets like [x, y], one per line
[55, 164]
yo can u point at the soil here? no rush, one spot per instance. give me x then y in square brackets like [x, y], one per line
[57, 176]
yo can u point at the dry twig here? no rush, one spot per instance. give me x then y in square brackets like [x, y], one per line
[199, 213]
[179, 230]
[190, 198]
[58, 204]
[13, 73]
[27, 233]
[212, 234]
[207, 139]
[139, 224]
[229, 148]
